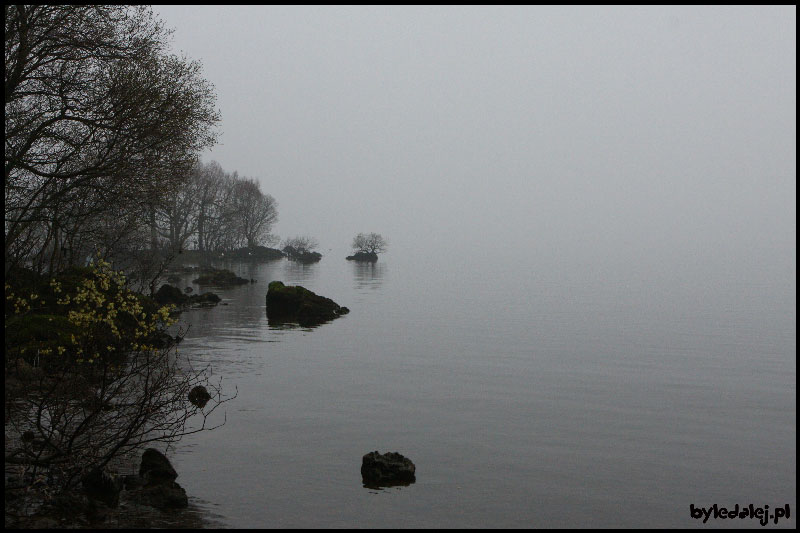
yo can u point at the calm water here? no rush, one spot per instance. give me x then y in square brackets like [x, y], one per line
[525, 399]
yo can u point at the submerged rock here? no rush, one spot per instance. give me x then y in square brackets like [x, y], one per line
[387, 470]
[298, 304]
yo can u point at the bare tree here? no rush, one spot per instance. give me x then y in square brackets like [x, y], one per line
[93, 104]
[209, 179]
[220, 218]
[300, 245]
[177, 215]
[256, 212]
[371, 243]
[302, 249]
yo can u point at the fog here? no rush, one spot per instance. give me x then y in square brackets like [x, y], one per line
[660, 139]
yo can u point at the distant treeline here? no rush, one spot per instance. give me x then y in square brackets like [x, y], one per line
[214, 211]
[104, 127]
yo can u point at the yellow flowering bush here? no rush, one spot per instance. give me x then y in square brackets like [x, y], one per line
[86, 313]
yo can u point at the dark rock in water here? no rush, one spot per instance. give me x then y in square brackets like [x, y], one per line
[160, 489]
[156, 468]
[102, 487]
[298, 304]
[204, 300]
[366, 257]
[199, 396]
[169, 295]
[387, 470]
[187, 290]
[220, 278]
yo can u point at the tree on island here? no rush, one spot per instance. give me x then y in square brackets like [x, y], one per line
[367, 247]
[301, 249]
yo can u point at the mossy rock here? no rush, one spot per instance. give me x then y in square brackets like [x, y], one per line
[170, 295]
[220, 278]
[296, 304]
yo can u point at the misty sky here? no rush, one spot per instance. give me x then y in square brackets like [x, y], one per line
[576, 132]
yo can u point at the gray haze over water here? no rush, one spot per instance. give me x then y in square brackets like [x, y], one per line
[593, 138]
[587, 314]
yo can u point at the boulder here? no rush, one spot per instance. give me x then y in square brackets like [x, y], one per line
[386, 470]
[300, 305]
[156, 468]
[158, 487]
[169, 294]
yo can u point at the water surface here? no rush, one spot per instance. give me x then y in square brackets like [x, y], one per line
[526, 396]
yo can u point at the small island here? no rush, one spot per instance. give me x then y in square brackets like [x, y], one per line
[301, 249]
[367, 247]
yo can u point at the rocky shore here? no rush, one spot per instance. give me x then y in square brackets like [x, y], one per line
[150, 498]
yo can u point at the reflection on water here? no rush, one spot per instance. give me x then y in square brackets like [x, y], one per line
[524, 400]
[368, 275]
[198, 515]
[297, 273]
[277, 325]
[385, 485]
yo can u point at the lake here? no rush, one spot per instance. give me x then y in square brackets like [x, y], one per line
[527, 395]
